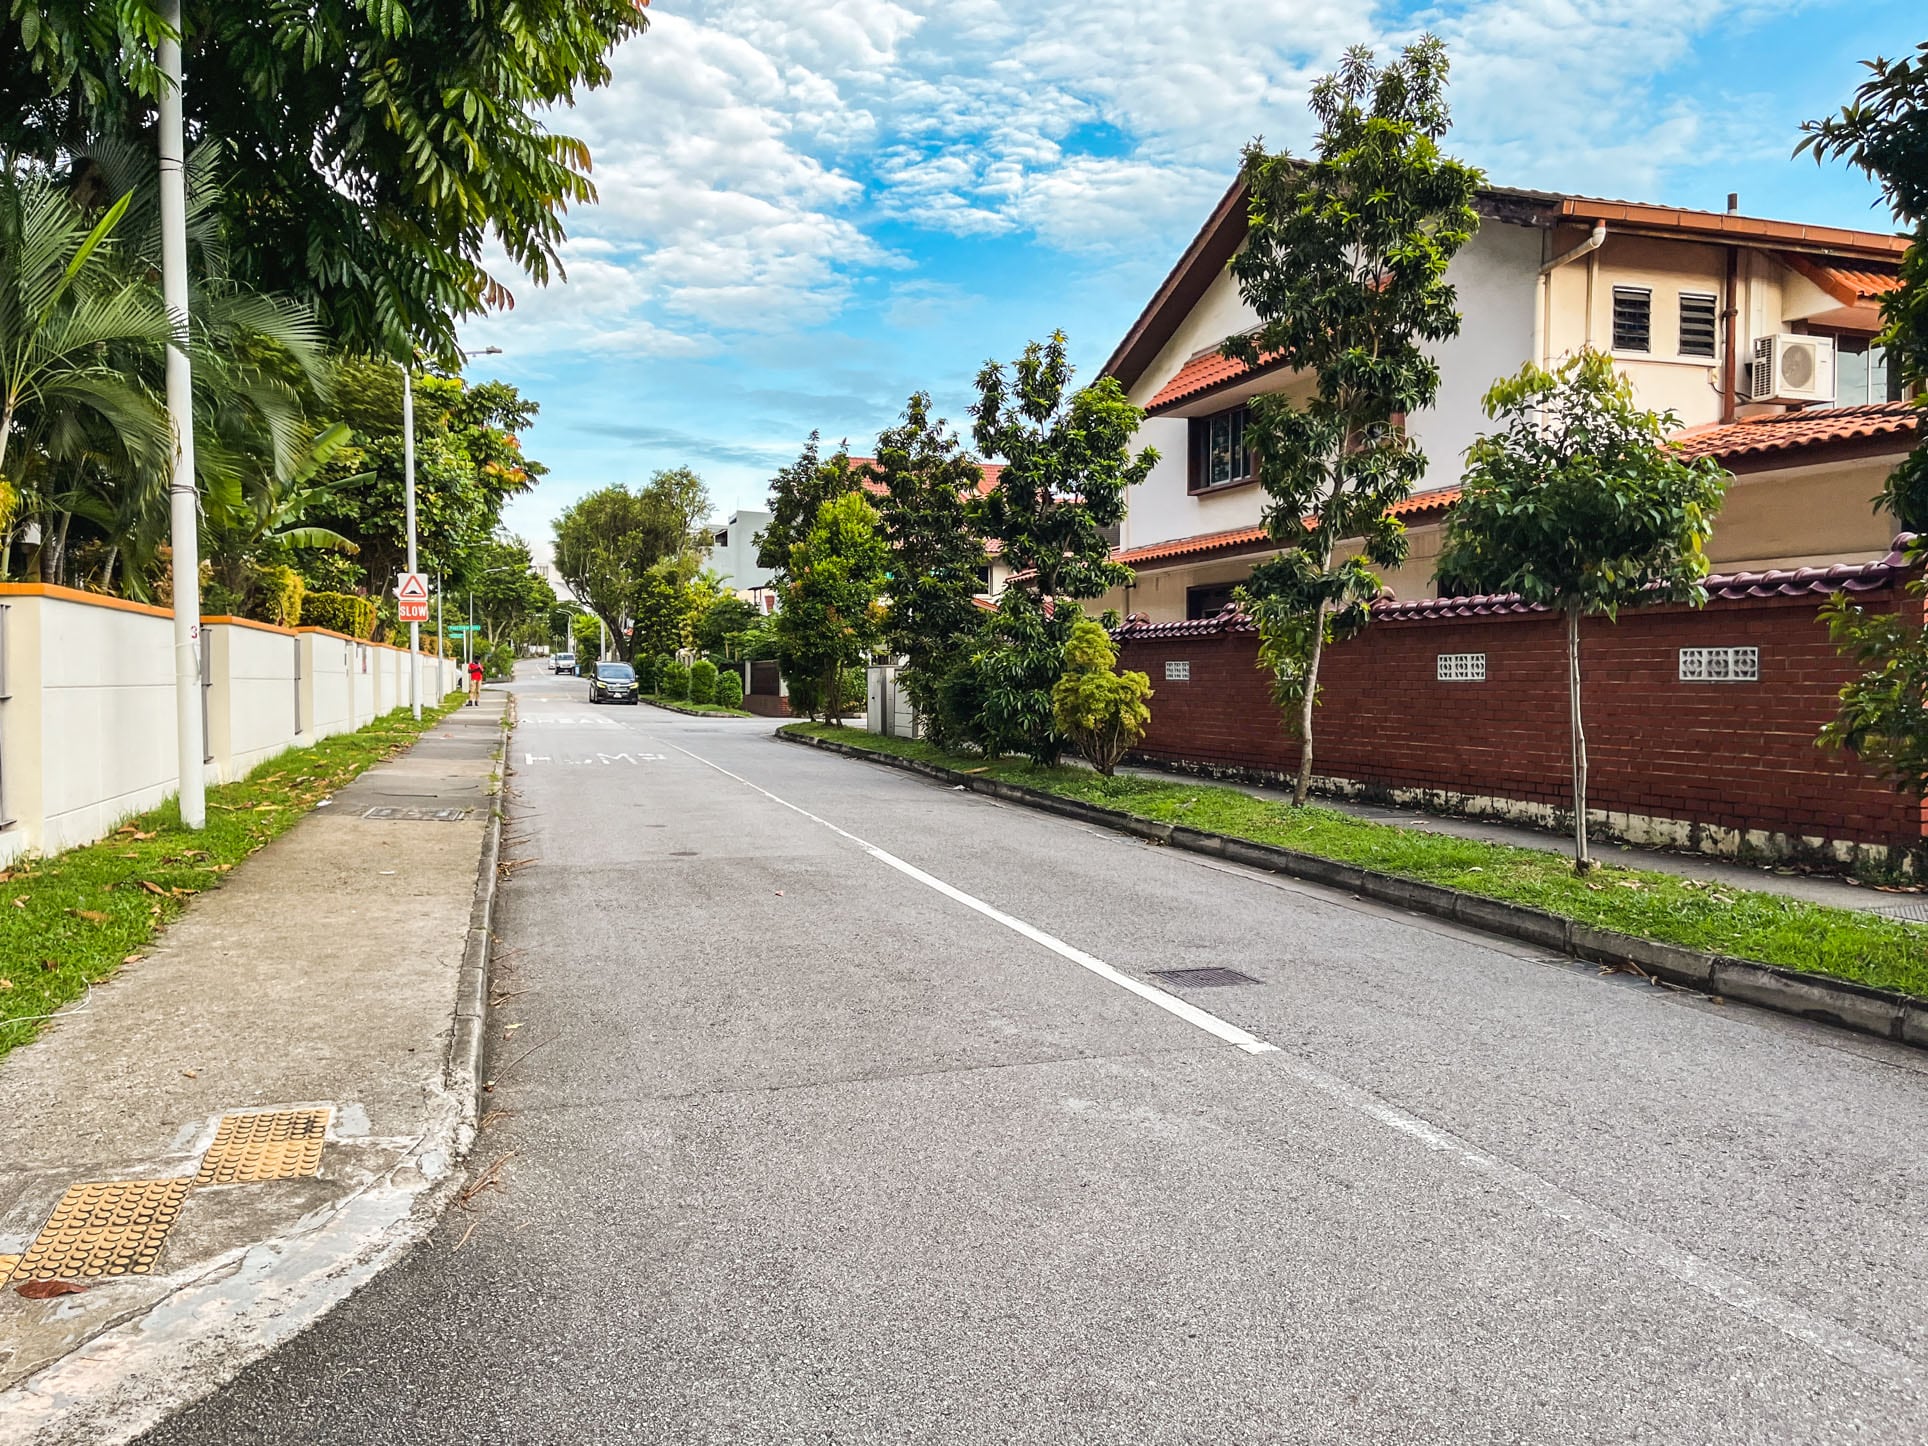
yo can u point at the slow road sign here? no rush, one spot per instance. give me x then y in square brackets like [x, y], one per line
[411, 597]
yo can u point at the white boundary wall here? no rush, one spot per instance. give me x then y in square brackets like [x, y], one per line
[87, 719]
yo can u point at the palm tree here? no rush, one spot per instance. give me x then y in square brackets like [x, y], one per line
[77, 329]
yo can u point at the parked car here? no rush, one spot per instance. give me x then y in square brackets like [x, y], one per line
[565, 663]
[612, 683]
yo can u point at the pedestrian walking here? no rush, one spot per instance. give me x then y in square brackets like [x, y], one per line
[475, 683]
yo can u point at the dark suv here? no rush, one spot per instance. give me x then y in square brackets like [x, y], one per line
[612, 683]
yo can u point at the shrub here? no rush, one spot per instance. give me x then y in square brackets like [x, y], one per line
[703, 681]
[729, 688]
[498, 662]
[673, 681]
[278, 596]
[645, 675]
[340, 612]
[1101, 710]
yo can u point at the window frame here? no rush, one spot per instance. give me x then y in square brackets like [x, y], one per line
[1646, 294]
[1198, 445]
[1712, 298]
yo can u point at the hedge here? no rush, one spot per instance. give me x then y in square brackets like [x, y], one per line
[339, 612]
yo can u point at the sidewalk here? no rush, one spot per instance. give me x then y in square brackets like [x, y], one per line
[325, 982]
[1830, 889]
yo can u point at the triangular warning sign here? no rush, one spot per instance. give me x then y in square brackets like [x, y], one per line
[414, 586]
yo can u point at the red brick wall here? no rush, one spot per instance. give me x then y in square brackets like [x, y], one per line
[1736, 755]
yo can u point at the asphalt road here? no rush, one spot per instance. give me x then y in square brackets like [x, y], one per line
[834, 1106]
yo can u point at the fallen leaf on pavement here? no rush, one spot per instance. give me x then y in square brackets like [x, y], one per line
[190, 1074]
[779, 893]
[46, 1289]
[132, 959]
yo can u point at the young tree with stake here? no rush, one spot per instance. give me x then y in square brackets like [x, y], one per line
[1578, 504]
[1345, 264]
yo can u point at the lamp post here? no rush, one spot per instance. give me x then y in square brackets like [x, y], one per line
[408, 494]
[183, 498]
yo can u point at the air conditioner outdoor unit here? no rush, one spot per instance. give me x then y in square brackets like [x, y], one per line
[1794, 369]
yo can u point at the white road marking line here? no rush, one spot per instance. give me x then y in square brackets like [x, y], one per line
[1218, 1028]
[1730, 1288]
[1891, 1368]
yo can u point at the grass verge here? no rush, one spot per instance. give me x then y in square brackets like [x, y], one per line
[73, 919]
[1767, 928]
[682, 705]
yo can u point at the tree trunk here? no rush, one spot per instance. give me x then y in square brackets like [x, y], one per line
[1306, 705]
[1582, 861]
[107, 567]
[57, 574]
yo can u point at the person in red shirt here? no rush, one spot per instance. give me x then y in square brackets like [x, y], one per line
[475, 684]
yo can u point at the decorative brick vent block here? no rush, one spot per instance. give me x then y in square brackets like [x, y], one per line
[1462, 667]
[1720, 665]
[1178, 672]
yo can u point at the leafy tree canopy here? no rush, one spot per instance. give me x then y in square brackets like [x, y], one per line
[831, 619]
[370, 149]
[619, 549]
[930, 496]
[797, 492]
[1067, 464]
[1883, 132]
[468, 464]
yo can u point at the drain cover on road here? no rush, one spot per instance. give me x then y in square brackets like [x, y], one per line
[275, 1145]
[1918, 913]
[420, 815]
[1202, 978]
[103, 1228]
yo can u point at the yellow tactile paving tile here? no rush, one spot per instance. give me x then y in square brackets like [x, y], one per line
[103, 1228]
[266, 1145]
[7, 1263]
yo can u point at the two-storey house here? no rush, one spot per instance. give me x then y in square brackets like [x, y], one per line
[1757, 334]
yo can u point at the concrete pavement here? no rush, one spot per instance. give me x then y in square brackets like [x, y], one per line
[318, 984]
[831, 1105]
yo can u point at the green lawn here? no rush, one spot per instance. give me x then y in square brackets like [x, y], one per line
[1768, 928]
[73, 919]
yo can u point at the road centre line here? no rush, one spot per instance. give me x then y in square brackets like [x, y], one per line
[1218, 1028]
[1891, 1368]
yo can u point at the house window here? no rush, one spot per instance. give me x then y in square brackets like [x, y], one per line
[1862, 373]
[1180, 672]
[1720, 665]
[1220, 457]
[1633, 318]
[1462, 667]
[1697, 316]
[1207, 602]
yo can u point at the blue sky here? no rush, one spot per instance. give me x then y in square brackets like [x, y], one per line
[807, 212]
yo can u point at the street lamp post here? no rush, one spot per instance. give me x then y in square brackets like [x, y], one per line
[408, 491]
[183, 499]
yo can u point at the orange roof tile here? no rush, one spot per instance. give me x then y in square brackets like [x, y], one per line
[1206, 372]
[1238, 539]
[1848, 284]
[1795, 431]
[988, 473]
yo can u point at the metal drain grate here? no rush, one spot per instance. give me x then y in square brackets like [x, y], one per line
[1212, 978]
[1916, 913]
[420, 815]
[275, 1145]
[103, 1228]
